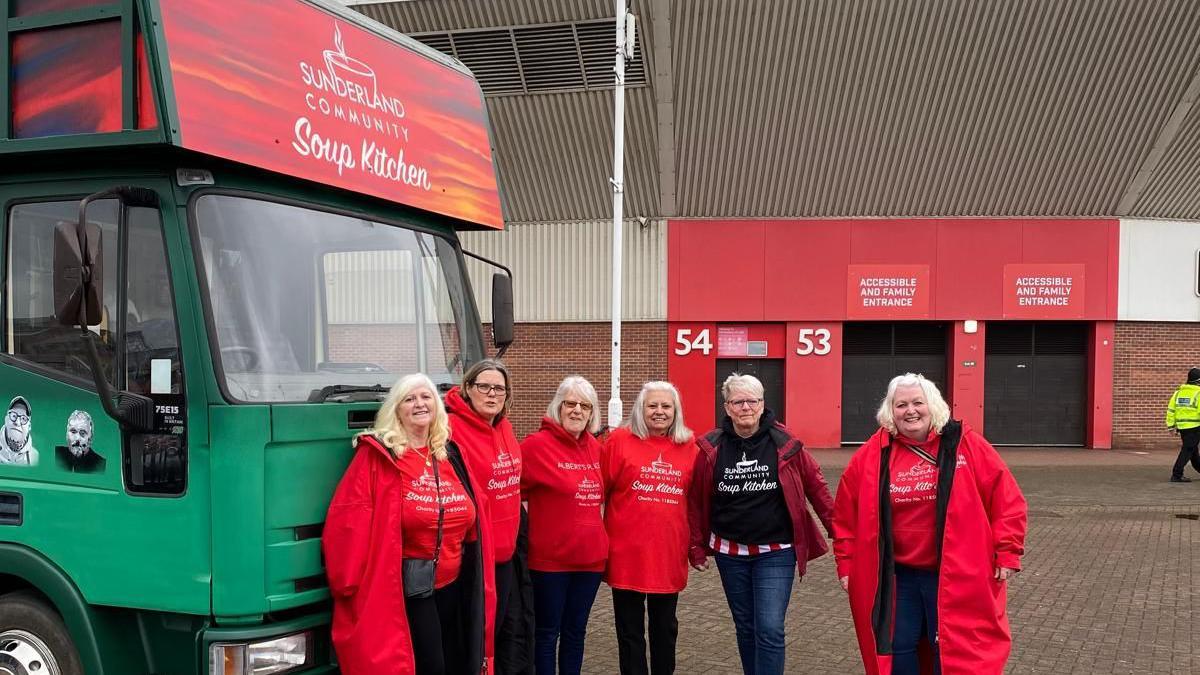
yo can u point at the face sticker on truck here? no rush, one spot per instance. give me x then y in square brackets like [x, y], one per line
[16, 440]
[78, 455]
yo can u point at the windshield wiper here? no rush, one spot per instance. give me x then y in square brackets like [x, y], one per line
[348, 393]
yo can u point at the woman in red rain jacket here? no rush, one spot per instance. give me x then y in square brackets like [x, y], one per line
[928, 527]
[647, 470]
[567, 544]
[386, 508]
[480, 428]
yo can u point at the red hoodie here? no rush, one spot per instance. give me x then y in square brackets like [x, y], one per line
[363, 545]
[494, 458]
[561, 481]
[646, 482]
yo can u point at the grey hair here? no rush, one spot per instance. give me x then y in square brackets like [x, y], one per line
[482, 365]
[678, 432]
[575, 384]
[80, 415]
[747, 383]
[939, 410]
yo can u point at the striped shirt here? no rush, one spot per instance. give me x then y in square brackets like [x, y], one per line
[733, 548]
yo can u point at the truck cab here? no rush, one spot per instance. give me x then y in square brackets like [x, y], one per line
[227, 229]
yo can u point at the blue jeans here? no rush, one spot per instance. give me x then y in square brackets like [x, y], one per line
[916, 616]
[758, 589]
[562, 602]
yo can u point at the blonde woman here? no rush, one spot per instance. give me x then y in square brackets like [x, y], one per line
[407, 547]
[929, 524]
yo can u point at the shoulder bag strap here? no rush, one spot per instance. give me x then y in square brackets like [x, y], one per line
[437, 481]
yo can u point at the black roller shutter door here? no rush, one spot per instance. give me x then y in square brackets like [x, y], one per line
[874, 353]
[1035, 389]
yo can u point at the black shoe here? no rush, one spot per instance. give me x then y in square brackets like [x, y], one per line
[1180, 479]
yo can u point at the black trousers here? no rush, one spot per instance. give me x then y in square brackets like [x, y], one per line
[505, 580]
[1189, 452]
[436, 627]
[630, 609]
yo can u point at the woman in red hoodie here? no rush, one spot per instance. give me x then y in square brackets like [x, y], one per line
[567, 543]
[407, 496]
[928, 526]
[647, 469]
[480, 428]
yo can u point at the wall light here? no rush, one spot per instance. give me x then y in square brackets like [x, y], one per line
[970, 326]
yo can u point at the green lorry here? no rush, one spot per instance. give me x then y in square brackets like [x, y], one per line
[228, 227]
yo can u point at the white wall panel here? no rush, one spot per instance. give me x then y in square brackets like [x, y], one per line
[562, 271]
[1158, 271]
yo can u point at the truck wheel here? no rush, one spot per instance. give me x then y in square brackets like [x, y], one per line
[33, 638]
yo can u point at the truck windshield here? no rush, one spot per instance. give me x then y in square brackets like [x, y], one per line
[307, 305]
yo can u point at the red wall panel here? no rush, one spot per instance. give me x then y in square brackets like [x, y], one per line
[799, 262]
[972, 254]
[693, 371]
[814, 384]
[721, 271]
[1100, 384]
[965, 387]
[797, 270]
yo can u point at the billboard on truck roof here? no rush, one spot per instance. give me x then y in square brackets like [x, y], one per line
[289, 87]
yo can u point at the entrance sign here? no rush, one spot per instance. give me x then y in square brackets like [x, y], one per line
[289, 87]
[1043, 291]
[887, 292]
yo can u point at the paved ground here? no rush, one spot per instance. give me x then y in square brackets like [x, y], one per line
[1106, 587]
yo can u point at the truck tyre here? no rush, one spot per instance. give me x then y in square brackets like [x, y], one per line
[33, 638]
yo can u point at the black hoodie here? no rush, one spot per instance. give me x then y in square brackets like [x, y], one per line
[748, 506]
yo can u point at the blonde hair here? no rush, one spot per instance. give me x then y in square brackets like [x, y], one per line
[678, 433]
[939, 410]
[578, 385]
[390, 430]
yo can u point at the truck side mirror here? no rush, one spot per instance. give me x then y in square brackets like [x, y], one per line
[78, 274]
[502, 310]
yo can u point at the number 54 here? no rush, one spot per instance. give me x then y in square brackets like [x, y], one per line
[819, 347]
[701, 343]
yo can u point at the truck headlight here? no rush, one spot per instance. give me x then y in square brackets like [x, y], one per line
[268, 657]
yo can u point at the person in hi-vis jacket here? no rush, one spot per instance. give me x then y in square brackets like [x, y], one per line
[1183, 418]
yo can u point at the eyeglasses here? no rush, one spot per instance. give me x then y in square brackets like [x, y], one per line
[744, 402]
[489, 389]
[569, 405]
[17, 418]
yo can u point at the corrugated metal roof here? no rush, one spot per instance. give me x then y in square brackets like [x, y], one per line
[790, 108]
[567, 168]
[427, 16]
[563, 271]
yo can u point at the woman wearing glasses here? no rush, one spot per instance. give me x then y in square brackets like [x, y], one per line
[567, 543]
[479, 426]
[748, 509]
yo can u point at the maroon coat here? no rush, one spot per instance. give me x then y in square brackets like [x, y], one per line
[801, 480]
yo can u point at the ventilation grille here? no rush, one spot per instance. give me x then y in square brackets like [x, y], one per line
[10, 508]
[535, 59]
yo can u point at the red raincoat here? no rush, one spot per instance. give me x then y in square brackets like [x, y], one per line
[981, 514]
[802, 483]
[363, 550]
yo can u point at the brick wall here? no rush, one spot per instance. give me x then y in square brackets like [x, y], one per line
[544, 353]
[1152, 358]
